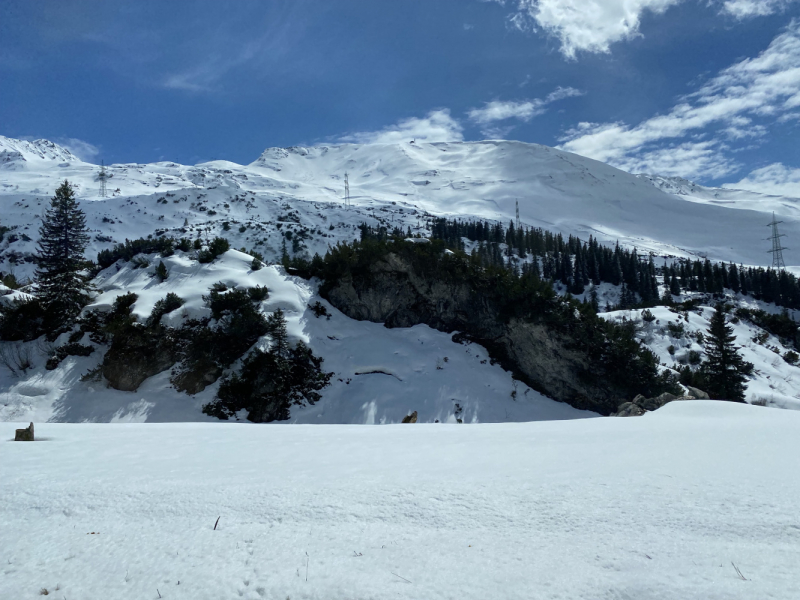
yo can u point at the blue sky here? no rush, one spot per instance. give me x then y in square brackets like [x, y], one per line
[705, 89]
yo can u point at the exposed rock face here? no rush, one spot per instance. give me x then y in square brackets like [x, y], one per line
[26, 435]
[136, 354]
[412, 418]
[549, 361]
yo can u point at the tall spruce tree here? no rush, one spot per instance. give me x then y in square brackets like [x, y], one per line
[63, 290]
[724, 369]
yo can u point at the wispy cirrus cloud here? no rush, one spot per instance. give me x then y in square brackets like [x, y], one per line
[86, 151]
[745, 9]
[736, 104]
[436, 126]
[776, 179]
[525, 110]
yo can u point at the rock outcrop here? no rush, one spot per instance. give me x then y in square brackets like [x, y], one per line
[412, 418]
[548, 359]
[136, 354]
[640, 405]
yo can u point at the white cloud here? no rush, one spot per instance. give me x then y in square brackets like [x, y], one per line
[743, 9]
[437, 126]
[500, 110]
[687, 159]
[84, 150]
[586, 25]
[593, 25]
[766, 87]
[776, 179]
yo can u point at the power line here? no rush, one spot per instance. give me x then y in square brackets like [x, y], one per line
[777, 249]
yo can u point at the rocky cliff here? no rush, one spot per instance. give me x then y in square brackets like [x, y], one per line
[548, 355]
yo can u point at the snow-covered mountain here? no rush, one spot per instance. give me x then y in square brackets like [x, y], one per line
[380, 374]
[21, 154]
[395, 184]
[726, 197]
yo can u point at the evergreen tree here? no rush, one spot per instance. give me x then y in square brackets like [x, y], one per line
[63, 238]
[276, 326]
[161, 271]
[284, 254]
[724, 369]
[674, 286]
[595, 302]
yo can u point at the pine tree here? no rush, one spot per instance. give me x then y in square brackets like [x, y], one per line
[276, 324]
[594, 300]
[284, 254]
[724, 369]
[63, 238]
[161, 271]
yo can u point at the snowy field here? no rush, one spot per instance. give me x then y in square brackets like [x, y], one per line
[655, 507]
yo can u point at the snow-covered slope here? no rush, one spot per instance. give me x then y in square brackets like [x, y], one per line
[668, 505]
[784, 206]
[380, 375]
[20, 154]
[396, 184]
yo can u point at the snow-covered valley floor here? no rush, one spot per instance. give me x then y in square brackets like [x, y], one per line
[655, 507]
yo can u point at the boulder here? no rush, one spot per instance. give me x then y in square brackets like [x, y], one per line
[699, 394]
[24, 435]
[412, 418]
[629, 409]
[657, 402]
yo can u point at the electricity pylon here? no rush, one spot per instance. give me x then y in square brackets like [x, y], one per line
[346, 192]
[102, 177]
[777, 249]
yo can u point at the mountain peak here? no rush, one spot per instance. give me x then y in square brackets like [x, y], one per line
[16, 152]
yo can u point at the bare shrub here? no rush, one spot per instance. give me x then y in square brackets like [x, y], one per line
[15, 357]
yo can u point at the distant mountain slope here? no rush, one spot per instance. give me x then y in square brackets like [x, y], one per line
[727, 197]
[394, 184]
[15, 153]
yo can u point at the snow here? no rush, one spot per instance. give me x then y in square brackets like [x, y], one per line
[655, 507]
[395, 185]
[380, 375]
[423, 370]
[729, 197]
[774, 382]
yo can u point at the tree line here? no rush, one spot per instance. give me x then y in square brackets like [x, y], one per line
[577, 263]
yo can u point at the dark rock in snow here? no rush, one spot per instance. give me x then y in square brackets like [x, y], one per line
[136, 354]
[26, 435]
[412, 418]
[629, 409]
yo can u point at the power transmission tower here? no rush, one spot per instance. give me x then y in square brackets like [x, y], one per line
[777, 249]
[517, 223]
[102, 177]
[346, 192]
